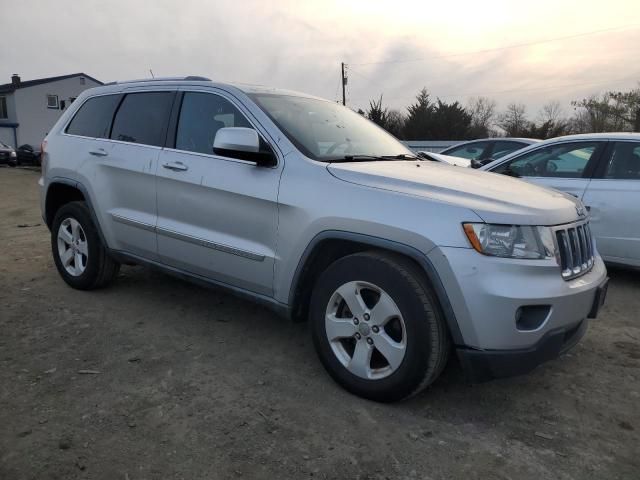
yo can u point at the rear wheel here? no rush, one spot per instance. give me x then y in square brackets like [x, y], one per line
[377, 326]
[79, 255]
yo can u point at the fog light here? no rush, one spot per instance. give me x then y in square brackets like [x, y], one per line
[531, 317]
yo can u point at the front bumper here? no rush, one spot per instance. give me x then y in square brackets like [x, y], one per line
[483, 365]
[488, 294]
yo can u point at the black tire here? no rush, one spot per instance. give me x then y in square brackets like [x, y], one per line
[427, 338]
[100, 269]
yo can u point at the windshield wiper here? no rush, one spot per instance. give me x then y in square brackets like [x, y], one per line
[403, 156]
[369, 158]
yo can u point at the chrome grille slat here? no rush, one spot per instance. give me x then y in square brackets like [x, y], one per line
[575, 248]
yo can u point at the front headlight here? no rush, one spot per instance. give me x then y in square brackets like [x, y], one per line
[511, 241]
[12, 154]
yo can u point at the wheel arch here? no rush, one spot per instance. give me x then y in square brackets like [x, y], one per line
[328, 246]
[61, 191]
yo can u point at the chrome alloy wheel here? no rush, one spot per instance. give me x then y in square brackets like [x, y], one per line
[366, 330]
[73, 248]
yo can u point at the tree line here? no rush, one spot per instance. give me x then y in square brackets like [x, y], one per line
[426, 119]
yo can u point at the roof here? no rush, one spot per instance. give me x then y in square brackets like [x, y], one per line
[10, 87]
[597, 136]
[200, 81]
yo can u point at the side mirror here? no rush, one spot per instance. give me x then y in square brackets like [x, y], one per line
[244, 144]
[475, 163]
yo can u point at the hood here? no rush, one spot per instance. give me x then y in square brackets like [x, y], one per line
[495, 198]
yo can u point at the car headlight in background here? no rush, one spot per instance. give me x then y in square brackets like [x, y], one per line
[13, 154]
[511, 241]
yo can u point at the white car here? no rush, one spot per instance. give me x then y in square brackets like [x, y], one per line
[603, 170]
[448, 159]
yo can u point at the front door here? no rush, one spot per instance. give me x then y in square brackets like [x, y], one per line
[564, 166]
[217, 216]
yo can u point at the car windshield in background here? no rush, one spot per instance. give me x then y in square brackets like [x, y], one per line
[327, 131]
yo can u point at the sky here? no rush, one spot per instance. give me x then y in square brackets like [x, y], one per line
[512, 51]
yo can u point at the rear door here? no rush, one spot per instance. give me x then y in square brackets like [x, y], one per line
[565, 166]
[613, 198]
[127, 173]
[217, 216]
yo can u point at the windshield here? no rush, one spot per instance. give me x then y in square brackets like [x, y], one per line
[326, 131]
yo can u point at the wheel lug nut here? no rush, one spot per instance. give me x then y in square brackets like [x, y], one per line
[375, 329]
[356, 321]
[366, 317]
[370, 341]
[358, 336]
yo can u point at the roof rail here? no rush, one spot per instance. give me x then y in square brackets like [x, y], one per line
[162, 79]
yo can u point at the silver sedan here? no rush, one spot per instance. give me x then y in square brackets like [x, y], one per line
[601, 169]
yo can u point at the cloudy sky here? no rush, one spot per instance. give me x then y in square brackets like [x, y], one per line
[557, 49]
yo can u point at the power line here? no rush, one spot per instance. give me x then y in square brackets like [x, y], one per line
[517, 90]
[506, 47]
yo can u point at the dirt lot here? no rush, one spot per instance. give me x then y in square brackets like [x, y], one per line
[154, 378]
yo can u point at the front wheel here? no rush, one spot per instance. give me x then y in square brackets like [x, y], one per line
[80, 257]
[377, 326]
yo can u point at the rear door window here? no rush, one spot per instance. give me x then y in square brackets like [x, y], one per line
[624, 163]
[500, 149]
[472, 151]
[93, 119]
[143, 117]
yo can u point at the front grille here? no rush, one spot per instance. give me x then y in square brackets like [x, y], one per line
[575, 246]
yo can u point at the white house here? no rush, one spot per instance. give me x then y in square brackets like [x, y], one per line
[28, 109]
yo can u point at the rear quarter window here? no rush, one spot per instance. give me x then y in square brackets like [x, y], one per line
[93, 118]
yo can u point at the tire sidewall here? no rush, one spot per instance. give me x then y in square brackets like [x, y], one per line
[79, 212]
[419, 354]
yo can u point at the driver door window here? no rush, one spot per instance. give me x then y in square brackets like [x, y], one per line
[568, 160]
[201, 116]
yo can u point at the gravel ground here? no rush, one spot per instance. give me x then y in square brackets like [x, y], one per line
[154, 378]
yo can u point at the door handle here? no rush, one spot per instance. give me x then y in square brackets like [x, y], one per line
[101, 152]
[175, 166]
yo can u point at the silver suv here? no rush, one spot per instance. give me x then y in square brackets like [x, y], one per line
[308, 208]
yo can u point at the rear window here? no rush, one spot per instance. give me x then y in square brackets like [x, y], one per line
[94, 117]
[142, 118]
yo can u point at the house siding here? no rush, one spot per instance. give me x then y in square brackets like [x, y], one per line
[30, 107]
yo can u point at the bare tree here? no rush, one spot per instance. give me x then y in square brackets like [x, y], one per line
[551, 112]
[552, 121]
[395, 123]
[482, 111]
[514, 120]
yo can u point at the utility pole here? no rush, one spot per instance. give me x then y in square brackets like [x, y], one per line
[344, 84]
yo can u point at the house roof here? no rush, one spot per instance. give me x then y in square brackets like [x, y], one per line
[10, 87]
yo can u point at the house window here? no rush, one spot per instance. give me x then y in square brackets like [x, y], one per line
[3, 107]
[52, 101]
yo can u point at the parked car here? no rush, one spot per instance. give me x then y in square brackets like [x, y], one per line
[394, 261]
[603, 170]
[7, 155]
[488, 149]
[27, 155]
[448, 159]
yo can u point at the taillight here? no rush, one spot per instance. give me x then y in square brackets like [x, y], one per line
[43, 157]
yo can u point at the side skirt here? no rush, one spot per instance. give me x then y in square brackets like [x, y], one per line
[280, 309]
